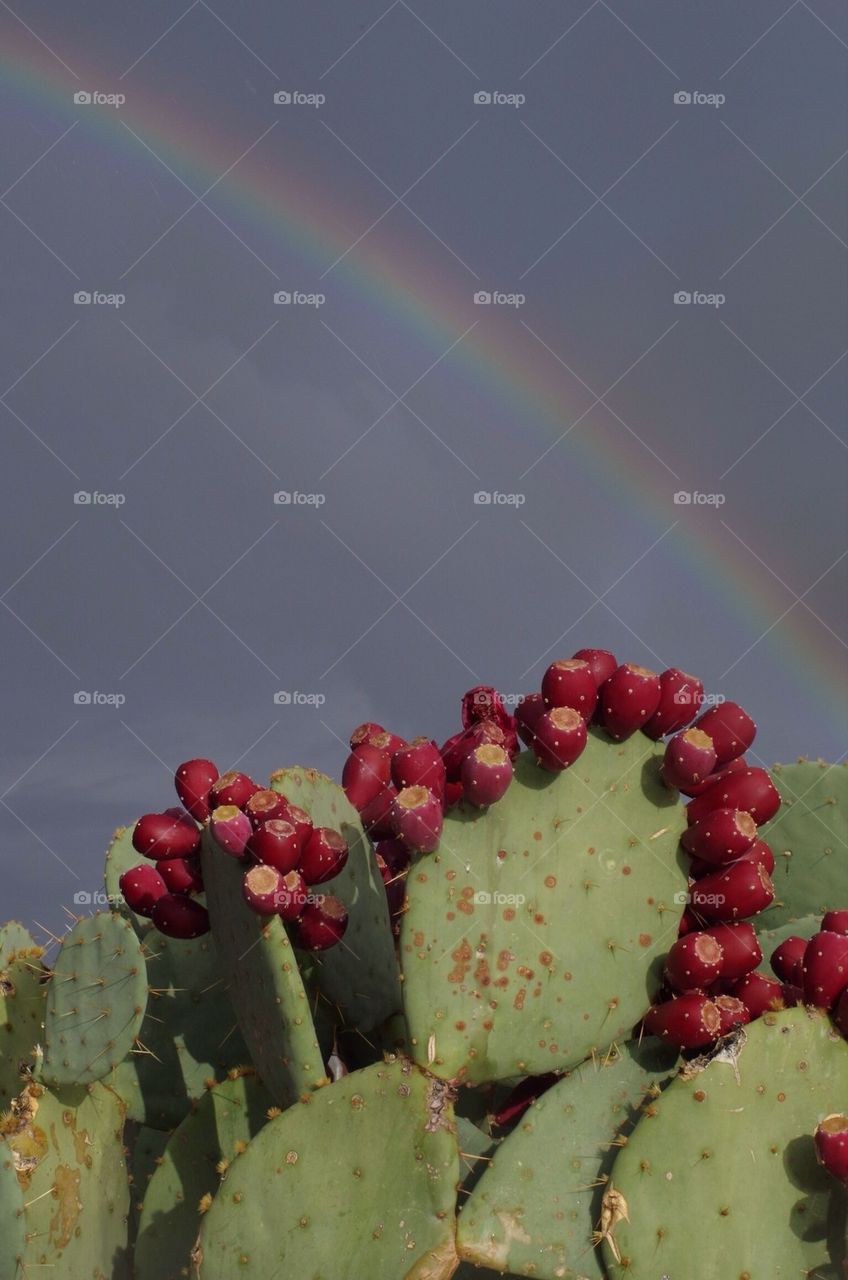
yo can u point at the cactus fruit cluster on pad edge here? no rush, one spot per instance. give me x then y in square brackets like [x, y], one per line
[565, 997]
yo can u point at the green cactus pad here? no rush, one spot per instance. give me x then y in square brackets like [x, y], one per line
[360, 975]
[95, 1002]
[721, 1179]
[225, 1119]
[14, 938]
[267, 989]
[144, 1148]
[69, 1161]
[22, 995]
[358, 1182]
[12, 1221]
[809, 839]
[535, 934]
[535, 1208]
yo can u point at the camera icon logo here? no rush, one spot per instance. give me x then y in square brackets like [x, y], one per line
[682, 98]
[682, 298]
[282, 298]
[682, 498]
[282, 98]
[482, 98]
[82, 499]
[482, 498]
[82, 698]
[82, 898]
[282, 498]
[82, 98]
[82, 298]
[482, 298]
[282, 698]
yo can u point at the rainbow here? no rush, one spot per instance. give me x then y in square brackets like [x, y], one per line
[392, 273]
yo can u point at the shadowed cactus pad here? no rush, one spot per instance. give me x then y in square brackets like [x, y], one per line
[809, 840]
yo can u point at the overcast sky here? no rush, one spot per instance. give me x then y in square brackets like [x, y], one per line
[622, 154]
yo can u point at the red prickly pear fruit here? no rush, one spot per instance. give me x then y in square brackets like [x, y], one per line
[324, 855]
[835, 922]
[840, 1014]
[741, 949]
[733, 1012]
[363, 732]
[417, 818]
[752, 791]
[743, 889]
[695, 789]
[694, 962]
[366, 772]
[377, 814]
[570, 683]
[723, 836]
[394, 885]
[527, 1091]
[486, 774]
[601, 663]
[792, 995]
[292, 896]
[232, 788]
[628, 700]
[831, 1139]
[166, 835]
[301, 822]
[395, 855]
[689, 757]
[262, 889]
[787, 960]
[458, 745]
[680, 697]
[687, 1021]
[181, 875]
[419, 764]
[231, 829]
[531, 706]
[193, 781]
[759, 852]
[453, 794]
[386, 741]
[276, 844]
[825, 969]
[180, 917]
[322, 923]
[264, 805]
[689, 923]
[731, 729]
[142, 887]
[559, 738]
[484, 703]
[759, 993]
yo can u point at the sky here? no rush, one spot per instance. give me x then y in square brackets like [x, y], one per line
[353, 355]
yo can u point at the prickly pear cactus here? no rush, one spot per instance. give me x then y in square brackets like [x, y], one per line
[22, 994]
[809, 839]
[535, 933]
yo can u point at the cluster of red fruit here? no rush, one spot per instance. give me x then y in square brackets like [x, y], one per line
[284, 856]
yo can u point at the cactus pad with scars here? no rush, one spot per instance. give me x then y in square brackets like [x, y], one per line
[721, 1176]
[535, 1208]
[197, 1156]
[21, 1011]
[11, 1216]
[809, 839]
[95, 1002]
[358, 1181]
[69, 1162]
[535, 933]
[14, 938]
[360, 976]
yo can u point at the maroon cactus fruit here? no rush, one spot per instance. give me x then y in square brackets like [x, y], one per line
[601, 663]
[689, 757]
[417, 818]
[825, 969]
[363, 732]
[232, 788]
[453, 795]
[680, 698]
[840, 1014]
[723, 836]
[486, 774]
[628, 699]
[485, 703]
[377, 815]
[292, 896]
[831, 1139]
[695, 789]
[688, 1021]
[366, 772]
[835, 922]
[394, 885]
[733, 1012]
[759, 993]
[262, 889]
[231, 829]
[559, 738]
[531, 706]
[181, 875]
[419, 764]
[322, 923]
[520, 1098]
[734, 893]
[166, 835]
[386, 741]
[741, 950]
[759, 852]
[570, 683]
[694, 962]
[324, 856]
[301, 822]
[787, 960]
[264, 805]
[731, 729]
[179, 917]
[453, 751]
[752, 791]
[688, 923]
[193, 781]
[395, 855]
[276, 844]
[142, 887]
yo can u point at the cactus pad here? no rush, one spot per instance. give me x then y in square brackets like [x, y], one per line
[11, 1217]
[14, 938]
[809, 839]
[21, 1011]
